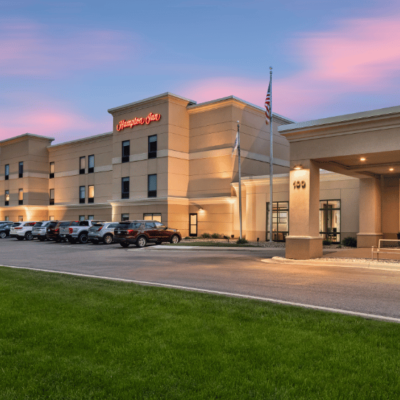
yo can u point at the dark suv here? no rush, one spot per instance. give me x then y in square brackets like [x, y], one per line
[53, 231]
[142, 232]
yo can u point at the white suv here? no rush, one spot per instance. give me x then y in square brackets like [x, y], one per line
[22, 230]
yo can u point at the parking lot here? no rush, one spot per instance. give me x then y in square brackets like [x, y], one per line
[240, 272]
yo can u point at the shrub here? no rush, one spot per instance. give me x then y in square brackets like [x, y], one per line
[216, 236]
[326, 242]
[206, 236]
[349, 242]
[242, 241]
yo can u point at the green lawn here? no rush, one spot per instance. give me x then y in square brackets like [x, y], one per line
[64, 337]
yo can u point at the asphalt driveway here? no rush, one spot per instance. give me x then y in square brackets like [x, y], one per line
[242, 272]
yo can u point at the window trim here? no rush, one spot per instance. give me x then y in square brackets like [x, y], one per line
[51, 174]
[82, 200]
[90, 169]
[125, 158]
[51, 200]
[82, 171]
[6, 202]
[151, 193]
[21, 202]
[20, 164]
[6, 175]
[90, 199]
[125, 195]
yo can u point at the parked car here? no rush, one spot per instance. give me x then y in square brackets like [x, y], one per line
[5, 229]
[40, 230]
[53, 231]
[102, 232]
[22, 230]
[78, 232]
[143, 232]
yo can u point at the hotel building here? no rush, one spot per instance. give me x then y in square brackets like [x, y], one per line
[170, 159]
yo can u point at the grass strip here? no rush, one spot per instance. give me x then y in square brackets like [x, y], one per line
[65, 337]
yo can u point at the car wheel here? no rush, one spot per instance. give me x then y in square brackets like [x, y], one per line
[175, 239]
[124, 244]
[28, 236]
[20, 238]
[141, 242]
[71, 240]
[83, 238]
[3, 235]
[108, 239]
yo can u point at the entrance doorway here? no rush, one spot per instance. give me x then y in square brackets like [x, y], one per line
[192, 224]
[280, 221]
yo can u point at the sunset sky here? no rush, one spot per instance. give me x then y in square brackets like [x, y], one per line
[64, 63]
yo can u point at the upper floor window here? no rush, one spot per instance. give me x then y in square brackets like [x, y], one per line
[152, 152]
[82, 165]
[7, 198]
[51, 197]
[152, 186]
[91, 194]
[51, 170]
[125, 188]
[126, 150]
[20, 169]
[91, 164]
[82, 194]
[7, 172]
[20, 197]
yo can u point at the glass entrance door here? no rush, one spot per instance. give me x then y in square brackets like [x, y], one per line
[192, 224]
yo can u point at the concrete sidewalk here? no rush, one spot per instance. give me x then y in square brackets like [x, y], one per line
[217, 248]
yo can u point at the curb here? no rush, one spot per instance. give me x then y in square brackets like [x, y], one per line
[211, 248]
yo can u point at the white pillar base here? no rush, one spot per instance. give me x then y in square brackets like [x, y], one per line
[303, 247]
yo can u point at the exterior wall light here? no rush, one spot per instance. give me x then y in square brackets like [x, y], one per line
[391, 169]
[297, 167]
[362, 159]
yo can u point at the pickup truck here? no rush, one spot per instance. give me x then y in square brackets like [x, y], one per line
[79, 232]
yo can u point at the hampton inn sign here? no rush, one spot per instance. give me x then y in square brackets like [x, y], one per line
[138, 121]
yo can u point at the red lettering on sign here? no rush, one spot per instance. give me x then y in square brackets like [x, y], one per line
[138, 121]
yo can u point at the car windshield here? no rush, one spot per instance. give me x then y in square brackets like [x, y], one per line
[16, 224]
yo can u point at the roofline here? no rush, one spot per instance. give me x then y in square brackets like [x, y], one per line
[80, 140]
[222, 99]
[159, 96]
[340, 119]
[27, 135]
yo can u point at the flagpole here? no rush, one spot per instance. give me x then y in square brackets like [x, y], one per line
[240, 183]
[271, 162]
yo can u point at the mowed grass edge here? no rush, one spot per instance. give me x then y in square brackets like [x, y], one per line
[65, 337]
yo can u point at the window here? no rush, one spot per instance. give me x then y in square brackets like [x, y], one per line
[6, 218]
[51, 170]
[82, 194]
[152, 152]
[7, 172]
[21, 169]
[20, 218]
[125, 188]
[152, 217]
[91, 164]
[20, 197]
[51, 218]
[81, 218]
[149, 225]
[51, 197]
[91, 194]
[192, 224]
[90, 217]
[152, 186]
[82, 165]
[159, 225]
[7, 198]
[329, 220]
[126, 150]
[280, 221]
[124, 217]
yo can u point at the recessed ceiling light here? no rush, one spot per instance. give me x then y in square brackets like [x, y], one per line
[362, 159]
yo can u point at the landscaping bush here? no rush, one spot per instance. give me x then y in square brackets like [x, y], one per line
[216, 236]
[326, 242]
[206, 236]
[349, 242]
[242, 241]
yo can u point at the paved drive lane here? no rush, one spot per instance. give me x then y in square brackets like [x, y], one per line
[353, 289]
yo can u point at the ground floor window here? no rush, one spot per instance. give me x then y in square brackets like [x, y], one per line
[81, 218]
[51, 218]
[193, 224]
[329, 220]
[6, 218]
[124, 217]
[90, 217]
[280, 220]
[20, 218]
[152, 217]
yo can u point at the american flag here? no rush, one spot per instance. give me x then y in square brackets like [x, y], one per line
[268, 105]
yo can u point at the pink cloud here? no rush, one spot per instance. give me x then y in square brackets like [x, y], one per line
[358, 56]
[27, 49]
